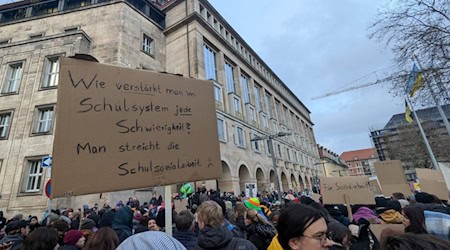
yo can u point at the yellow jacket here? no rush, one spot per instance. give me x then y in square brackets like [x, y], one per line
[275, 245]
[392, 217]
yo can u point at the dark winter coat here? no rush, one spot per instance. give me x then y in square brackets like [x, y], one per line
[221, 238]
[107, 219]
[260, 235]
[16, 240]
[68, 247]
[123, 223]
[187, 238]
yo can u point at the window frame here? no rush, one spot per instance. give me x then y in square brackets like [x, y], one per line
[8, 129]
[150, 48]
[245, 80]
[207, 60]
[37, 119]
[8, 75]
[237, 105]
[224, 139]
[47, 74]
[240, 131]
[39, 173]
[257, 92]
[255, 144]
[231, 86]
[218, 90]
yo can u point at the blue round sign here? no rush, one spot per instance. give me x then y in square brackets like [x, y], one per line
[48, 188]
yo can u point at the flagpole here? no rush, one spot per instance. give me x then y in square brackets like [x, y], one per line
[424, 137]
[441, 112]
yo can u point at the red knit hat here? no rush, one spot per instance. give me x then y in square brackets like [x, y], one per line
[72, 236]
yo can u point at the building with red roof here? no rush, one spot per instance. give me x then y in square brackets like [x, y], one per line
[360, 162]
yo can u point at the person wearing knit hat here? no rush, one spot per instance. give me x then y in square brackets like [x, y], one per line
[87, 224]
[152, 240]
[73, 240]
[253, 203]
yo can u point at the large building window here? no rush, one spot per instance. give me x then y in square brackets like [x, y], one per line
[44, 119]
[221, 129]
[255, 144]
[210, 63]
[13, 77]
[218, 93]
[245, 88]
[251, 115]
[258, 101]
[147, 45]
[269, 105]
[240, 136]
[5, 124]
[237, 105]
[278, 110]
[33, 176]
[264, 121]
[229, 77]
[51, 72]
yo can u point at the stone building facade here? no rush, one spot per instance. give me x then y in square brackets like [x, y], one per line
[332, 164]
[180, 37]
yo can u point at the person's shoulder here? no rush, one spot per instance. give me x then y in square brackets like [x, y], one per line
[242, 244]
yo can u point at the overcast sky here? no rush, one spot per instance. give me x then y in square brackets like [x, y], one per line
[317, 47]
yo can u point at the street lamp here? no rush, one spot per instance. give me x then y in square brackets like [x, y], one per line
[272, 154]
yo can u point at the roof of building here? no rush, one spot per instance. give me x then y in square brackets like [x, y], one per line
[428, 114]
[368, 153]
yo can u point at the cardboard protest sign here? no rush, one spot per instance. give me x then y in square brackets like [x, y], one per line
[120, 129]
[391, 177]
[357, 188]
[378, 228]
[433, 182]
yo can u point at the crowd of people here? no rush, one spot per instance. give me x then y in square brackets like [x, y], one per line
[212, 220]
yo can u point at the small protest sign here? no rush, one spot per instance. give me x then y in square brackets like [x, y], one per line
[391, 177]
[357, 189]
[433, 182]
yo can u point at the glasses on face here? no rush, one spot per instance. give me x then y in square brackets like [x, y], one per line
[322, 237]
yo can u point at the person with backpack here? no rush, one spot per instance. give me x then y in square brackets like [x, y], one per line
[213, 234]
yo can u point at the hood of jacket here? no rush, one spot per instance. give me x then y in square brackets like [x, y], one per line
[214, 237]
[123, 219]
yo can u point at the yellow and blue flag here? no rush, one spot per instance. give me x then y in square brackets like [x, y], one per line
[415, 82]
[408, 116]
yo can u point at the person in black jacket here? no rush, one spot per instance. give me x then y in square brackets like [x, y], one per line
[213, 234]
[123, 223]
[259, 231]
[184, 223]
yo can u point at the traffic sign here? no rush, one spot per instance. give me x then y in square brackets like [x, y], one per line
[48, 188]
[46, 161]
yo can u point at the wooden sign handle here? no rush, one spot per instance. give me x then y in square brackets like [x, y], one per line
[349, 208]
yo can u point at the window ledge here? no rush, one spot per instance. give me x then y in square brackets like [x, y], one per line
[25, 194]
[222, 140]
[41, 133]
[48, 88]
[9, 93]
